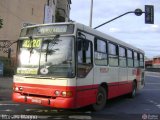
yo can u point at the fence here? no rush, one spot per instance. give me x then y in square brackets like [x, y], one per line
[1, 69]
[8, 66]
[153, 69]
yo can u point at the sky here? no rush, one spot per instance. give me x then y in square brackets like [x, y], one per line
[129, 28]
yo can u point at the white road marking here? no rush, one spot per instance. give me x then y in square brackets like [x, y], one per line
[158, 106]
[9, 104]
[151, 101]
[43, 117]
[155, 103]
[7, 110]
[41, 110]
[88, 112]
[80, 117]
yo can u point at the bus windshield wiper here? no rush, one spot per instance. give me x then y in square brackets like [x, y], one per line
[55, 42]
[31, 48]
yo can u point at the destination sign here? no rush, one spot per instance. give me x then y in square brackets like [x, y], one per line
[52, 29]
[46, 30]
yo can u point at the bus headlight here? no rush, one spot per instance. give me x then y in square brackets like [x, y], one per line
[16, 88]
[57, 93]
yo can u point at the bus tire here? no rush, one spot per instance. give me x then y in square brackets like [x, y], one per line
[100, 99]
[134, 90]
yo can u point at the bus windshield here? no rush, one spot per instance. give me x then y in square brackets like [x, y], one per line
[47, 57]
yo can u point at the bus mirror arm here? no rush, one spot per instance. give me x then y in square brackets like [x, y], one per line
[83, 43]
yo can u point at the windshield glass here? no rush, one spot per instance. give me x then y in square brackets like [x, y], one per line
[50, 56]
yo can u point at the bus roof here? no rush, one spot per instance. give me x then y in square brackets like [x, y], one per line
[93, 32]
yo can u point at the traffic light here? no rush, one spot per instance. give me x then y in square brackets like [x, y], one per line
[149, 14]
[1, 22]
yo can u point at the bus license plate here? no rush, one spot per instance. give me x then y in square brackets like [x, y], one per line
[38, 101]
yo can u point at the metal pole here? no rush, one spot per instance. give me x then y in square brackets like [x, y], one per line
[114, 19]
[91, 12]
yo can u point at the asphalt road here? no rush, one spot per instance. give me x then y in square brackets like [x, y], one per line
[146, 105]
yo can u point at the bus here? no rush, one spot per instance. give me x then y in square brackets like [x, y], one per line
[69, 65]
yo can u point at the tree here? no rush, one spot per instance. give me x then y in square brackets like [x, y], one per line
[1, 23]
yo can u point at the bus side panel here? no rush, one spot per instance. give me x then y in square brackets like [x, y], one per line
[124, 84]
[86, 95]
[113, 82]
[131, 77]
[140, 78]
[112, 90]
[108, 75]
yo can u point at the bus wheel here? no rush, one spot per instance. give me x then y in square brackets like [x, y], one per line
[134, 90]
[100, 99]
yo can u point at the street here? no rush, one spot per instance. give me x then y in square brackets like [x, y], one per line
[145, 105]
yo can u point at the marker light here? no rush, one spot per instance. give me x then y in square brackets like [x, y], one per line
[66, 93]
[20, 88]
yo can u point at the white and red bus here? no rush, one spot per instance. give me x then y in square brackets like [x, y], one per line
[70, 65]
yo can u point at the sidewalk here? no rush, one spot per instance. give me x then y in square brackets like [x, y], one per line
[147, 73]
[6, 82]
[5, 88]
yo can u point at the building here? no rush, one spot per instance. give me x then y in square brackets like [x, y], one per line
[63, 10]
[153, 63]
[16, 13]
[149, 63]
[156, 62]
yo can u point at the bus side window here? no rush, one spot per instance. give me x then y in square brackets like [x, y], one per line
[113, 55]
[136, 61]
[100, 52]
[141, 61]
[84, 58]
[122, 57]
[130, 58]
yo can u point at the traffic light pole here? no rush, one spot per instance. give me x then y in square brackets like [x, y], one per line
[136, 12]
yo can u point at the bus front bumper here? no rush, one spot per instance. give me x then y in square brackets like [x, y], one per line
[58, 102]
